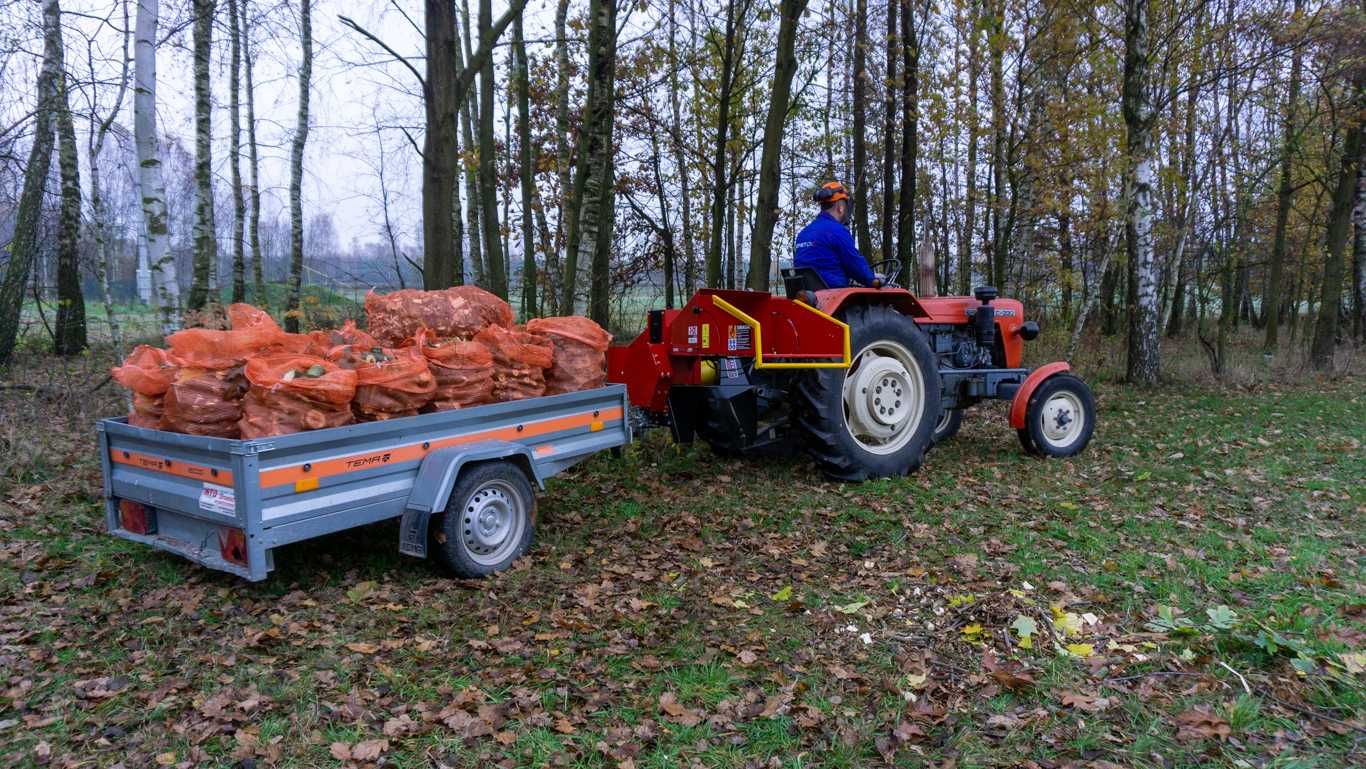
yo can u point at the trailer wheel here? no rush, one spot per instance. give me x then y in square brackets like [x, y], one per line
[1060, 417]
[950, 420]
[489, 520]
[874, 419]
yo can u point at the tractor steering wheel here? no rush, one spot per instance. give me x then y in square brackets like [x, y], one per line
[890, 269]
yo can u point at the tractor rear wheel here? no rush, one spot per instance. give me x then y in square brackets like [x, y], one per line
[874, 419]
[950, 420]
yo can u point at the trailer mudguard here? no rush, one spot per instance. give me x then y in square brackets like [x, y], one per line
[435, 478]
[1020, 403]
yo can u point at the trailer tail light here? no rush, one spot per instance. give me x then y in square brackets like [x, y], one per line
[136, 517]
[232, 544]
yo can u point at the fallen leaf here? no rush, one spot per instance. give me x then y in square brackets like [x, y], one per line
[369, 750]
[973, 632]
[361, 591]
[783, 595]
[1201, 725]
[340, 751]
[362, 647]
[747, 657]
[1081, 650]
[668, 702]
[851, 608]
[1088, 702]
[1025, 628]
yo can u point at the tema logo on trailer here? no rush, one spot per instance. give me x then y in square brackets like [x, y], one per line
[373, 459]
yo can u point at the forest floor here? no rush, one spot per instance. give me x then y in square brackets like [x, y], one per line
[1188, 592]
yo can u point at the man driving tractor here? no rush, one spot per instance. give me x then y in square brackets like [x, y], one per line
[826, 246]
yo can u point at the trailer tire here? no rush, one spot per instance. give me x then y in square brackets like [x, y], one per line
[489, 521]
[846, 429]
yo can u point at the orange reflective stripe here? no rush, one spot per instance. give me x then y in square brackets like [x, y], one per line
[172, 467]
[281, 476]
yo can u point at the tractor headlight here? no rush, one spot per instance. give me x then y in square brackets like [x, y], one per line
[1029, 330]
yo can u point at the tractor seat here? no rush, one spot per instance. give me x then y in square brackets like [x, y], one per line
[798, 279]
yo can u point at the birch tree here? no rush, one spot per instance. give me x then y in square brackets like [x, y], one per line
[155, 219]
[526, 166]
[1143, 359]
[26, 241]
[99, 211]
[253, 160]
[69, 332]
[239, 206]
[205, 233]
[293, 312]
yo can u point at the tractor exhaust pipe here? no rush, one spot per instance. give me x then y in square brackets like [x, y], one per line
[985, 318]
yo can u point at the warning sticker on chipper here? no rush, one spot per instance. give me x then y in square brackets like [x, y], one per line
[217, 499]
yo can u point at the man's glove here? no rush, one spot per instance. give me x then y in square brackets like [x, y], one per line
[878, 279]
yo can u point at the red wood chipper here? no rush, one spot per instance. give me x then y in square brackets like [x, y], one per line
[865, 379]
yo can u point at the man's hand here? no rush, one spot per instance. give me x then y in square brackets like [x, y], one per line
[878, 279]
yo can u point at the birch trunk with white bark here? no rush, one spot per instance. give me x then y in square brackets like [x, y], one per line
[155, 218]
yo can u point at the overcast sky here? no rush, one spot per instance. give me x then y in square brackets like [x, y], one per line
[356, 87]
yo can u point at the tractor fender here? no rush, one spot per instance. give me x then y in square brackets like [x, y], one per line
[833, 301]
[436, 477]
[1020, 402]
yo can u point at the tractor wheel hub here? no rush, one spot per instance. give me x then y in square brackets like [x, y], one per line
[883, 398]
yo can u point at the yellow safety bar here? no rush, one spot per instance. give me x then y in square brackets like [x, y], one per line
[759, 362]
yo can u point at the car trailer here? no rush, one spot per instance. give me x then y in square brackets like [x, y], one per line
[463, 482]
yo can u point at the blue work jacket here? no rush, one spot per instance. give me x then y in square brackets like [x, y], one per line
[826, 246]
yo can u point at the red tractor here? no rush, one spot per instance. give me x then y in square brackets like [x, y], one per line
[866, 379]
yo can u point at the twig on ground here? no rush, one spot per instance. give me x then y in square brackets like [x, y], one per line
[1246, 688]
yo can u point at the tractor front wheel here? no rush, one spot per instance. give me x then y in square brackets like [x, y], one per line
[876, 418]
[1060, 418]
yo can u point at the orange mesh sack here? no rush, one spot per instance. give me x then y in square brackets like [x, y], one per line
[389, 383]
[519, 362]
[148, 372]
[293, 393]
[245, 316]
[213, 349]
[580, 352]
[463, 370]
[204, 401]
[324, 341]
[459, 311]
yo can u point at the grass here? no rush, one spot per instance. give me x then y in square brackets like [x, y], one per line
[794, 622]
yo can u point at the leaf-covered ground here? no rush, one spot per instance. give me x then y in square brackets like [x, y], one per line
[1187, 593]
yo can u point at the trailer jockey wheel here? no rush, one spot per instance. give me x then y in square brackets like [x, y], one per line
[874, 419]
[489, 520]
[1060, 418]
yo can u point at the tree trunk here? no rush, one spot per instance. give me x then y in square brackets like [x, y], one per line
[293, 310]
[770, 164]
[239, 205]
[69, 336]
[910, 149]
[25, 243]
[860, 152]
[470, 171]
[99, 212]
[563, 151]
[1186, 195]
[258, 278]
[439, 150]
[155, 219]
[1285, 192]
[582, 223]
[996, 39]
[720, 181]
[1144, 364]
[1359, 253]
[680, 165]
[970, 201]
[1339, 221]
[889, 137]
[527, 168]
[598, 224]
[205, 233]
[488, 175]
